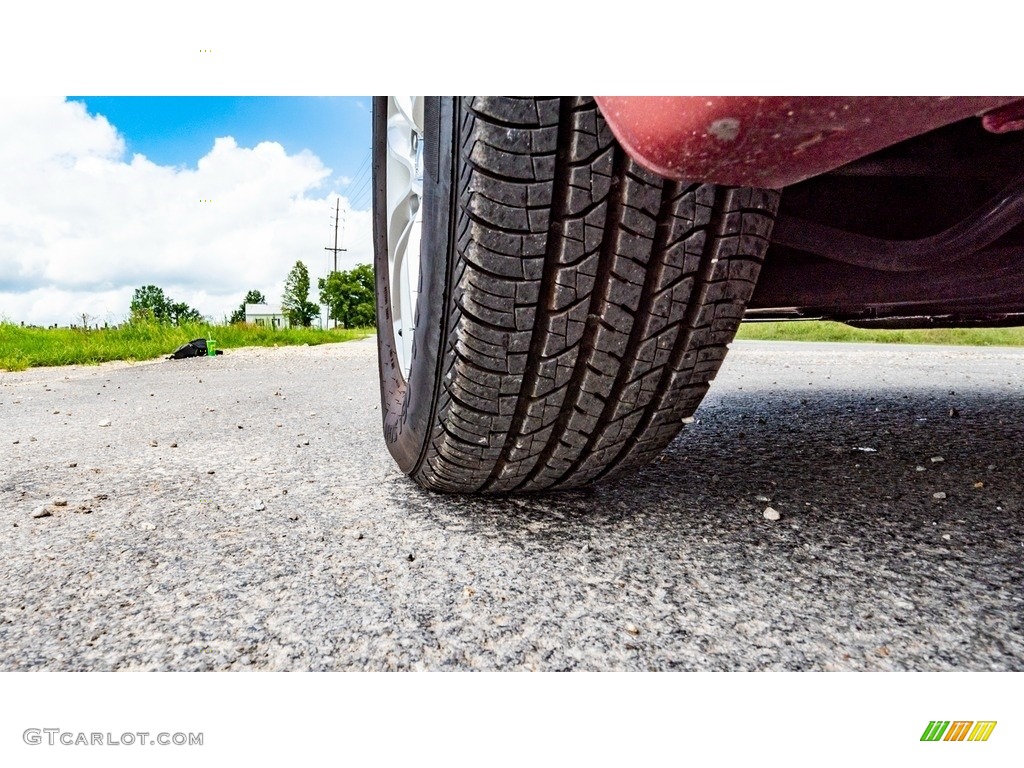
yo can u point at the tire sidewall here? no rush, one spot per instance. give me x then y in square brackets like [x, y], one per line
[408, 406]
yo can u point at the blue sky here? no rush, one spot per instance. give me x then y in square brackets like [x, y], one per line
[178, 130]
[205, 197]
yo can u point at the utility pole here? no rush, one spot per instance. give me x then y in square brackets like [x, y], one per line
[335, 249]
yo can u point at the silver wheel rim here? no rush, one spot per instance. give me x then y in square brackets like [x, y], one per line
[404, 170]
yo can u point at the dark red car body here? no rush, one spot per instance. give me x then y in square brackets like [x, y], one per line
[896, 211]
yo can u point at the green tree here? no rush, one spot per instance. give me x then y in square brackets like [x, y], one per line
[182, 313]
[350, 296]
[151, 303]
[295, 303]
[252, 297]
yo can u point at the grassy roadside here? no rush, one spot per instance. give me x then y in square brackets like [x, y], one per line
[813, 330]
[22, 348]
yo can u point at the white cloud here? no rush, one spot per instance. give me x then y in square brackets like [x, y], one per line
[82, 226]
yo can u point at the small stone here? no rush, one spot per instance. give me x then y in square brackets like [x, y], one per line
[152, 589]
[688, 420]
[919, 468]
[105, 423]
[954, 413]
[586, 548]
[59, 502]
[293, 518]
[633, 629]
[937, 459]
[43, 511]
[174, 445]
[979, 484]
[73, 464]
[56, 413]
[946, 536]
[939, 495]
[32, 440]
[410, 557]
[356, 535]
[147, 526]
[258, 505]
[210, 472]
[16, 442]
[152, 443]
[771, 514]
[762, 498]
[240, 426]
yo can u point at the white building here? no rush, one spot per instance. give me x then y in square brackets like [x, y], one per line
[266, 314]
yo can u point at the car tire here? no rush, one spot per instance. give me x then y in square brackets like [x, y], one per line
[570, 307]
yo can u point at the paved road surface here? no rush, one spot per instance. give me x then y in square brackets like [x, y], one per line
[242, 513]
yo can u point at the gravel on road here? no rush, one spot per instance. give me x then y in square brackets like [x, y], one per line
[831, 507]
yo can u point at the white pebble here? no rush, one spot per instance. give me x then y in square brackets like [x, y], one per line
[771, 514]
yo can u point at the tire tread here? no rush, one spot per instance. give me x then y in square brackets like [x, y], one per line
[592, 300]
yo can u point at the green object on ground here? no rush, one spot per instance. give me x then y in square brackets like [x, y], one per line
[211, 347]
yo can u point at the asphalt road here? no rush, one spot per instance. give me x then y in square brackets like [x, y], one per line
[242, 512]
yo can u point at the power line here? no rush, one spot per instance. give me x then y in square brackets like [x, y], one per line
[362, 176]
[357, 195]
[363, 168]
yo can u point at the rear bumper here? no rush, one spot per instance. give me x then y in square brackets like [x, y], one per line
[772, 141]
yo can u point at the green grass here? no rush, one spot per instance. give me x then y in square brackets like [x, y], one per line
[813, 330]
[22, 348]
